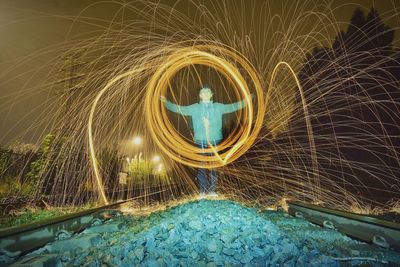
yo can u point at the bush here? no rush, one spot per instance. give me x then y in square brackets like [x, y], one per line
[144, 171]
[38, 167]
[11, 186]
[5, 155]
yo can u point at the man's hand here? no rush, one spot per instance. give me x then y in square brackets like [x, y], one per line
[163, 99]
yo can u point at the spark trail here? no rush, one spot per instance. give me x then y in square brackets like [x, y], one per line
[305, 136]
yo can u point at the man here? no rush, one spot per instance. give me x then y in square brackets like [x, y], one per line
[207, 127]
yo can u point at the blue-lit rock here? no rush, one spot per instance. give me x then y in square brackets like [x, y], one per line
[195, 225]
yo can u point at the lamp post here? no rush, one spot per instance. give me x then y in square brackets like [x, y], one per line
[137, 141]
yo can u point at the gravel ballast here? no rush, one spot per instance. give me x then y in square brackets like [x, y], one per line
[213, 233]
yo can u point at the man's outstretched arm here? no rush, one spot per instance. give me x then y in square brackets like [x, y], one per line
[229, 108]
[184, 110]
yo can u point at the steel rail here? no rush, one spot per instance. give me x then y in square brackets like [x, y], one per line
[25, 238]
[22, 239]
[369, 229]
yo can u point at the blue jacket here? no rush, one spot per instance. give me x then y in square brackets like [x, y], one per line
[211, 111]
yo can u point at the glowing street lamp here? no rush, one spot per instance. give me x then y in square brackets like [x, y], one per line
[137, 140]
[156, 158]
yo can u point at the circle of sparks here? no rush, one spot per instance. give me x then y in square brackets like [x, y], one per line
[225, 62]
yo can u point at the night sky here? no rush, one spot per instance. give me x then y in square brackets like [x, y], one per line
[32, 31]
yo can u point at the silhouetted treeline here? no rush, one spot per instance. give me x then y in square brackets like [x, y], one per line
[353, 91]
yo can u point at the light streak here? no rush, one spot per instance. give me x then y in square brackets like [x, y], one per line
[306, 117]
[285, 144]
[93, 158]
[170, 142]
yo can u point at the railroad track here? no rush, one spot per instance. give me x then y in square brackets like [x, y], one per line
[369, 229]
[20, 240]
[17, 241]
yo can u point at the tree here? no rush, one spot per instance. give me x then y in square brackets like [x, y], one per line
[358, 77]
[5, 155]
[38, 167]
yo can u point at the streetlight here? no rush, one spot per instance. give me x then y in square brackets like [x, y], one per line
[137, 140]
[156, 158]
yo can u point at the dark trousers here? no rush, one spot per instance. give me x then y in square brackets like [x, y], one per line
[207, 178]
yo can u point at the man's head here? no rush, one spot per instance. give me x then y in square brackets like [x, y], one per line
[205, 94]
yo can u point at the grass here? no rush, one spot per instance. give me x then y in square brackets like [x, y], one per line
[34, 214]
